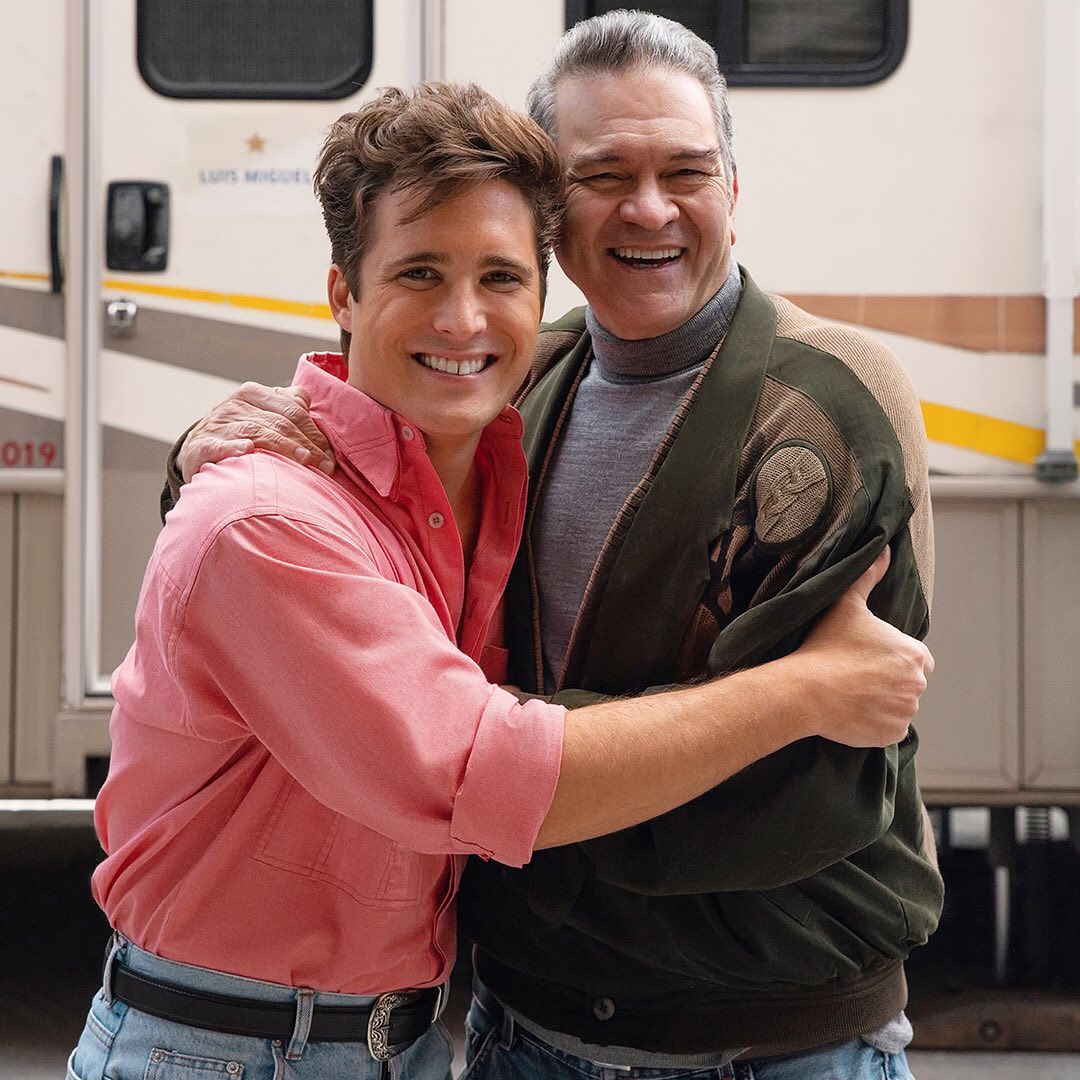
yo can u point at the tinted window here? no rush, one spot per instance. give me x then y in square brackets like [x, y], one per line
[787, 42]
[255, 48]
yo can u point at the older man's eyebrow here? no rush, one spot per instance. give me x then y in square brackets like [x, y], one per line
[710, 155]
[584, 162]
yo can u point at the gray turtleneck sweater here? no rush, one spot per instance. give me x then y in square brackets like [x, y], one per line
[622, 409]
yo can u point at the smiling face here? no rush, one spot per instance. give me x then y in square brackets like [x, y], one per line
[445, 321]
[648, 229]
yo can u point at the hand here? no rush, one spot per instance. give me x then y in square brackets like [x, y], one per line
[869, 675]
[257, 417]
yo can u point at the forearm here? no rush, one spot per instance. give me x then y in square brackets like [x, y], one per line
[856, 681]
[627, 761]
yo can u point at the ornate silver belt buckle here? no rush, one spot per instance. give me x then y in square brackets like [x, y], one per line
[378, 1028]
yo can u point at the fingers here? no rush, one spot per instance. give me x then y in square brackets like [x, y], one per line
[862, 588]
[292, 404]
[257, 417]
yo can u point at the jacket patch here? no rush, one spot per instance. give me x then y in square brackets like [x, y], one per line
[792, 493]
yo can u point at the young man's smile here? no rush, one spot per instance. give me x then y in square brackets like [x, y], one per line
[446, 314]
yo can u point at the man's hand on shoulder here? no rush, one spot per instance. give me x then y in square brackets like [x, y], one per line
[866, 676]
[257, 417]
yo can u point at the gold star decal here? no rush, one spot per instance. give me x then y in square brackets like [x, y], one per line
[255, 144]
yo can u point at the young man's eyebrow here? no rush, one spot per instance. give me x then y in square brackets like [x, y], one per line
[504, 262]
[441, 258]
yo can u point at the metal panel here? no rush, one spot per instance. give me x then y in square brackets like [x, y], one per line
[37, 645]
[1051, 732]
[969, 719]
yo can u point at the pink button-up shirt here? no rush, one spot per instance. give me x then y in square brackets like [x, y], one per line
[305, 747]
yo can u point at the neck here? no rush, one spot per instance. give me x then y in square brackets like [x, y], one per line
[621, 359]
[454, 460]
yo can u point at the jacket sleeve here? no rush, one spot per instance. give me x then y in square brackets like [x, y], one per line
[174, 480]
[786, 816]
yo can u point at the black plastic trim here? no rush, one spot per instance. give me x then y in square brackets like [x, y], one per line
[347, 84]
[741, 73]
[56, 187]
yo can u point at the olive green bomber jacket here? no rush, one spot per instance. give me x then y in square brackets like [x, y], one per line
[778, 906]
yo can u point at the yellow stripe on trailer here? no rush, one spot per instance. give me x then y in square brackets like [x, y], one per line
[240, 300]
[984, 434]
[17, 275]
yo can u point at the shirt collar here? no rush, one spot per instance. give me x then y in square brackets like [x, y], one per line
[368, 436]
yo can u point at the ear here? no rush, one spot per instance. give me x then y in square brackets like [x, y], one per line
[340, 298]
[731, 207]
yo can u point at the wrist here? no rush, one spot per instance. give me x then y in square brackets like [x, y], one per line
[796, 685]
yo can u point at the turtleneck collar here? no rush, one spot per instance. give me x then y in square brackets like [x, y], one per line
[620, 360]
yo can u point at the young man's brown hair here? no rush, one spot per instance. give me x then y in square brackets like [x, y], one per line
[437, 140]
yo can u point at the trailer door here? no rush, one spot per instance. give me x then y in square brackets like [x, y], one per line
[205, 259]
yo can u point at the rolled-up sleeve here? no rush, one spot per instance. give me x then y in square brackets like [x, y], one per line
[509, 780]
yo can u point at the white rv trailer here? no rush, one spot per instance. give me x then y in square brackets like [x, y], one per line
[159, 243]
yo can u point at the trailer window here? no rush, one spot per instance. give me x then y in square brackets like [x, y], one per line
[786, 42]
[275, 49]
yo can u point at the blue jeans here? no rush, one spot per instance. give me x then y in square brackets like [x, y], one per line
[496, 1048]
[121, 1043]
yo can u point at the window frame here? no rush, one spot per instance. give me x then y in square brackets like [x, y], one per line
[330, 90]
[740, 72]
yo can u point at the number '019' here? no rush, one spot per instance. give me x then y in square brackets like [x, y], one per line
[27, 455]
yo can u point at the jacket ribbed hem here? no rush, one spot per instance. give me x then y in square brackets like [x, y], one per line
[700, 1020]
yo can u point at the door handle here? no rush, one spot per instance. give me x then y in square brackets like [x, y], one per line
[137, 226]
[120, 316]
[56, 184]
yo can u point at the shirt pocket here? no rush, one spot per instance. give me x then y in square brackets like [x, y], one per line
[302, 836]
[494, 663]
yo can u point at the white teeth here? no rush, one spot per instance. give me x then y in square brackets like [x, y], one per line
[452, 367]
[645, 253]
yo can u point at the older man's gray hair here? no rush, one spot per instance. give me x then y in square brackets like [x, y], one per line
[620, 41]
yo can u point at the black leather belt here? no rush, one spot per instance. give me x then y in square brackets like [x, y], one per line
[392, 1023]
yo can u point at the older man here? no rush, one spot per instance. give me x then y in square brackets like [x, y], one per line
[710, 468]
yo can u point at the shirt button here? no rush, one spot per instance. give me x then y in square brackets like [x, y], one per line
[436, 520]
[603, 1008]
[407, 433]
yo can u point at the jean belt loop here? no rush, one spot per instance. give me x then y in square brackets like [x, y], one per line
[116, 945]
[305, 1006]
[506, 1031]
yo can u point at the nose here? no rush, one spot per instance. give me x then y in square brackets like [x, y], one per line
[648, 206]
[460, 313]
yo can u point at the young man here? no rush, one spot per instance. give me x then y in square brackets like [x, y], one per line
[306, 743]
